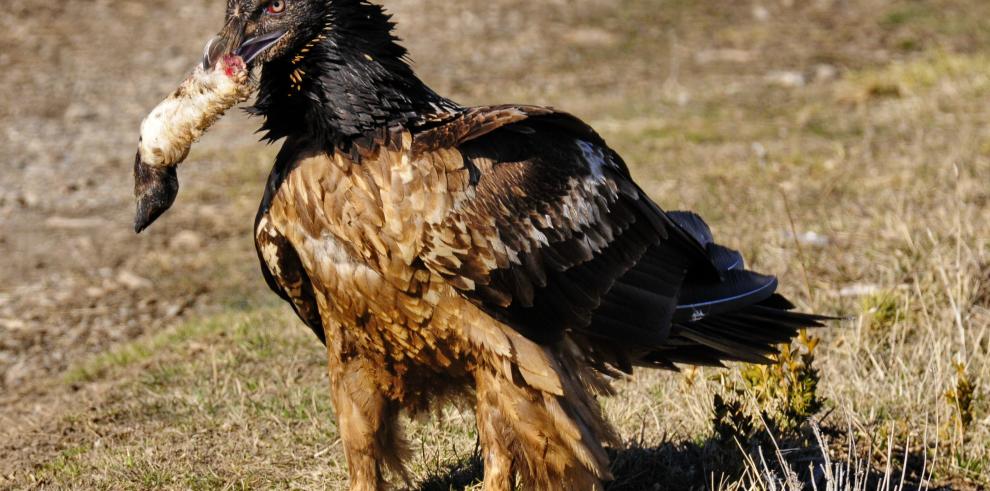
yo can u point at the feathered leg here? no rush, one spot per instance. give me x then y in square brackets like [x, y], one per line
[553, 441]
[367, 422]
[494, 433]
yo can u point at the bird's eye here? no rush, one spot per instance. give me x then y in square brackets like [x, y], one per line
[276, 7]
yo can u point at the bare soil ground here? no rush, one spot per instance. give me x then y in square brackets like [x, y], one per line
[842, 145]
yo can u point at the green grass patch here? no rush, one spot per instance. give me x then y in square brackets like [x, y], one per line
[918, 76]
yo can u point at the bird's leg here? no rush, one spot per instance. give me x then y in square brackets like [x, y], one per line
[552, 442]
[367, 421]
[495, 434]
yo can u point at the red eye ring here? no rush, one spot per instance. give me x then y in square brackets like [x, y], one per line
[275, 7]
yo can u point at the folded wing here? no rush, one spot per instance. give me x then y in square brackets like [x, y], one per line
[556, 238]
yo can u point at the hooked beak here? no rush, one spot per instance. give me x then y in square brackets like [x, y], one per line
[247, 51]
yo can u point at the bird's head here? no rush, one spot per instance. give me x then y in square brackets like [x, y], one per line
[260, 31]
[329, 68]
[255, 32]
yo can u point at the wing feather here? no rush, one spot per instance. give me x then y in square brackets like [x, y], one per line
[556, 238]
[558, 212]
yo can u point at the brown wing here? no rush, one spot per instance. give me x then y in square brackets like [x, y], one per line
[280, 263]
[556, 236]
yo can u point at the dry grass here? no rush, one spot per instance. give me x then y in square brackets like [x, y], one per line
[843, 146]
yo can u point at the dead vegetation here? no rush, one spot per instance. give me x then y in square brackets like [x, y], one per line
[840, 144]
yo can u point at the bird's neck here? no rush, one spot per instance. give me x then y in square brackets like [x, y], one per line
[349, 80]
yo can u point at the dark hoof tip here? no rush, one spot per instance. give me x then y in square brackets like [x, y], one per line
[155, 189]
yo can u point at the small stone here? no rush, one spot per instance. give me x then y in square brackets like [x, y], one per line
[724, 56]
[75, 223]
[590, 36]
[186, 240]
[16, 373]
[79, 112]
[13, 324]
[760, 152]
[825, 72]
[787, 78]
[174, 310]
[27, 199]
[858, 290]
[813, 239]
[133, 281]
[760, 13]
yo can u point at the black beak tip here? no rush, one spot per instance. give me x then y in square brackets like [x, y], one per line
[155, 190]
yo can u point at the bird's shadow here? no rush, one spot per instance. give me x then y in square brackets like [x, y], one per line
[710, 464]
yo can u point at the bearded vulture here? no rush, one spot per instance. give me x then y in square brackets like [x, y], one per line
[498, 254]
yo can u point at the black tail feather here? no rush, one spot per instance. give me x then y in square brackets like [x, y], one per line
[752, 334]
[686, 300]
[722, 257]
[737, 289]
[739, 318]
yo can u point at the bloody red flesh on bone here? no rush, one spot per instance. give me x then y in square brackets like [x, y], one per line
[232, 64]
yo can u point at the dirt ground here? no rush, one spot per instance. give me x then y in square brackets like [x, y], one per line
[839, 143]
[75, 277]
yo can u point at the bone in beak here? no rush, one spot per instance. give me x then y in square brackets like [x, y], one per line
[170, 130]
